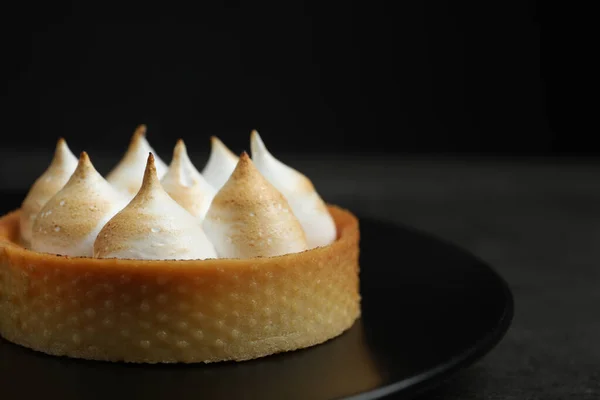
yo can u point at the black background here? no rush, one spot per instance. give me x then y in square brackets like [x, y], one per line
[419, 77]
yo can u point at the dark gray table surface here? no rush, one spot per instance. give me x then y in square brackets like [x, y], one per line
[536, 222]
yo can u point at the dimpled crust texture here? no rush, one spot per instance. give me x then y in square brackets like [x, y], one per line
[178, 311]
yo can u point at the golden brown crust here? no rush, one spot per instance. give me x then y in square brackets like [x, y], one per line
[178, 311]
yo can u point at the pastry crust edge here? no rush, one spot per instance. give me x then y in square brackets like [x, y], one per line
[250, 308]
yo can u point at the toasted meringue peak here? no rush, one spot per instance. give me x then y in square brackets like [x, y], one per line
[47, 185]
[153, 226]
[250, 218]
[299, 191]
[70, 221]
[127, 175]
[186, 185]
[220, 164]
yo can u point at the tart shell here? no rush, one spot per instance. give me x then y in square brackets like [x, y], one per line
[178, 311]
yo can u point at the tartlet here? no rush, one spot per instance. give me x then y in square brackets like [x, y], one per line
[178, 311]
[162, 311]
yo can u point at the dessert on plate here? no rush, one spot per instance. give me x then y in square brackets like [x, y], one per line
[162, 263]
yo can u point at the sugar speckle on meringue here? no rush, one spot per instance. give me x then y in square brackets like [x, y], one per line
[70, 221]
[127, 175]
[243, 208]
[250, 218]
[299, 191]
[47, 185]
[153, 226]
[186, 185]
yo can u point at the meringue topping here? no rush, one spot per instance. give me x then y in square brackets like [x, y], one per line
[299, 191]
[70, 221]
[127, 175]
[153, 226]
[186, 185]
[47, 185]
[220, 164]
[250, 218]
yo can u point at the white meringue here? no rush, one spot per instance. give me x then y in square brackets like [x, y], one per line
[127, 175]
[300, 193]
[47, 185]
[220, 164]
[153, 227]
[186, 185]
[250, 218]
[70, 221]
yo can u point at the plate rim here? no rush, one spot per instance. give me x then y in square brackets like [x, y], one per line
[431, 378]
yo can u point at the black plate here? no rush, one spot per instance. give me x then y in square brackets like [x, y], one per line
[428, 309]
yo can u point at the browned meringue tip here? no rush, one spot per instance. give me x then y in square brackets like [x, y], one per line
[84, 165]
[138, 134]
[245, 167]
[84, 159]
[140, 130]
[245, 158]
[179, 153]
[61, 146]
[150, 175]
[62, 150]
[216, 142]
[179, 148]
